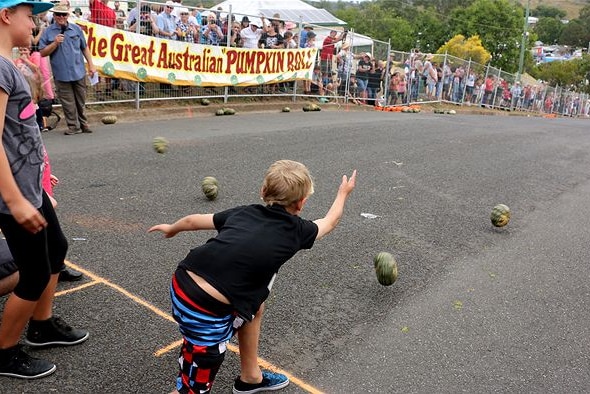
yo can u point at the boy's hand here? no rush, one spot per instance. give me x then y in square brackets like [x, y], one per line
[347, 185]
[164, 228]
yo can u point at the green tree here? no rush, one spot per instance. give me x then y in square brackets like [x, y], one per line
[571, 73]
[576, 33]
[548, 29]
[443, 7]
[545, 11]
[498, 23]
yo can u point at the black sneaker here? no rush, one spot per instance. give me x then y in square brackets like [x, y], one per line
[53, 332]
[69, 275]
[86, 129]
[72, 131]
[17, 364]
[270, 381]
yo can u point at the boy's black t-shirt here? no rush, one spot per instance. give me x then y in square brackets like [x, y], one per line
[252, 243]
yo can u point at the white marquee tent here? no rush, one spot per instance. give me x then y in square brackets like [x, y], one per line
[295, 11]
[290, 10]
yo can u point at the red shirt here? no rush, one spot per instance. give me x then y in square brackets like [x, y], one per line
[327, 48]
[102, 14]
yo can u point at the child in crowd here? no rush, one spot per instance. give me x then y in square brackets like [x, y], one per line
[220, 287]
[27, 218]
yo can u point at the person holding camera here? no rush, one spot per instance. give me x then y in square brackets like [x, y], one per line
[212, 32]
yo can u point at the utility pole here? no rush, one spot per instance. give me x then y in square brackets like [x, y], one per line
[524, 40]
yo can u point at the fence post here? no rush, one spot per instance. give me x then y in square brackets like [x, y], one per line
[227, 45]
[464, 83]
[138, 83]
[387, 75]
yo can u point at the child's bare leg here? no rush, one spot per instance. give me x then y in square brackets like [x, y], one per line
[248, 338]
[17, 313]
[44, 307]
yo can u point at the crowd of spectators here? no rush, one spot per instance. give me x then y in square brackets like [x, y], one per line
[420, 78]
[338, 72]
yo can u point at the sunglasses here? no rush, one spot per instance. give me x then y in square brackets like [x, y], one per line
[170, 8]
[60, 14]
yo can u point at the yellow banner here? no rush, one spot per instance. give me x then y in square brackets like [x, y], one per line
[122, 54]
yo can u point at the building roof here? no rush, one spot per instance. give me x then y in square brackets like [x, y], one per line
[292, 10]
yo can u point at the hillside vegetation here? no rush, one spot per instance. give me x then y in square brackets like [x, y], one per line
[571, 7]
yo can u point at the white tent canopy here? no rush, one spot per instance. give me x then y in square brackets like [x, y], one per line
[292, 10]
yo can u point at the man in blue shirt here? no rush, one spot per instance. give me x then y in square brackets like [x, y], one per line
[66, 47]
[303, 36]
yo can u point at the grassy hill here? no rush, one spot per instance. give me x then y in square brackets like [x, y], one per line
[572, 7]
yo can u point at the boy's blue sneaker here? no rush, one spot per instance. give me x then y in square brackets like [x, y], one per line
[270, 382]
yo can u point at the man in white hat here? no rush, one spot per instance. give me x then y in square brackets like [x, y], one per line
[167, 22]
[251, 34]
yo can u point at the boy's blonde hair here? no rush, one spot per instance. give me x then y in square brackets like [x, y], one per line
[285, 182]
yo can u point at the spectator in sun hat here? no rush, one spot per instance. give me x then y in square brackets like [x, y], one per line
[278, 23]
[303, 35]
[167, 22]
[251, 34]
[66, 46]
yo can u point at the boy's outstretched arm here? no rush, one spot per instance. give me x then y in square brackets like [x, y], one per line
[330, 221]
[187, 223]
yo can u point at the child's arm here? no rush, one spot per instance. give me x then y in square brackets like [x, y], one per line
[187, 223]
[23, 211]
[330, 221]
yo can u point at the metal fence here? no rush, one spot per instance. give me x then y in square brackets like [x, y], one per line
[395, 78]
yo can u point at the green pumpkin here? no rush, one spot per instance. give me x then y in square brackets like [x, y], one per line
[160, 145]
[209, 180]
[385, 268]
[205, 102]
[307, 108]
[219, 112]
[109, 119]
[229, 111]
[210, 187]
[500, 215]
[286, 109]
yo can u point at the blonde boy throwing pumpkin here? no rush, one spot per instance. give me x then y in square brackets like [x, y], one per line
[220, 287]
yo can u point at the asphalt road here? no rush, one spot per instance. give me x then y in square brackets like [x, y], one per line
[475, 308]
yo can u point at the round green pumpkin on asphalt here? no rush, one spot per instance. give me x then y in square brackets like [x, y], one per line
[385, 268]
[209, 180]
[500, 215]
[210, 187]
[109, 119]
[160, 145]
